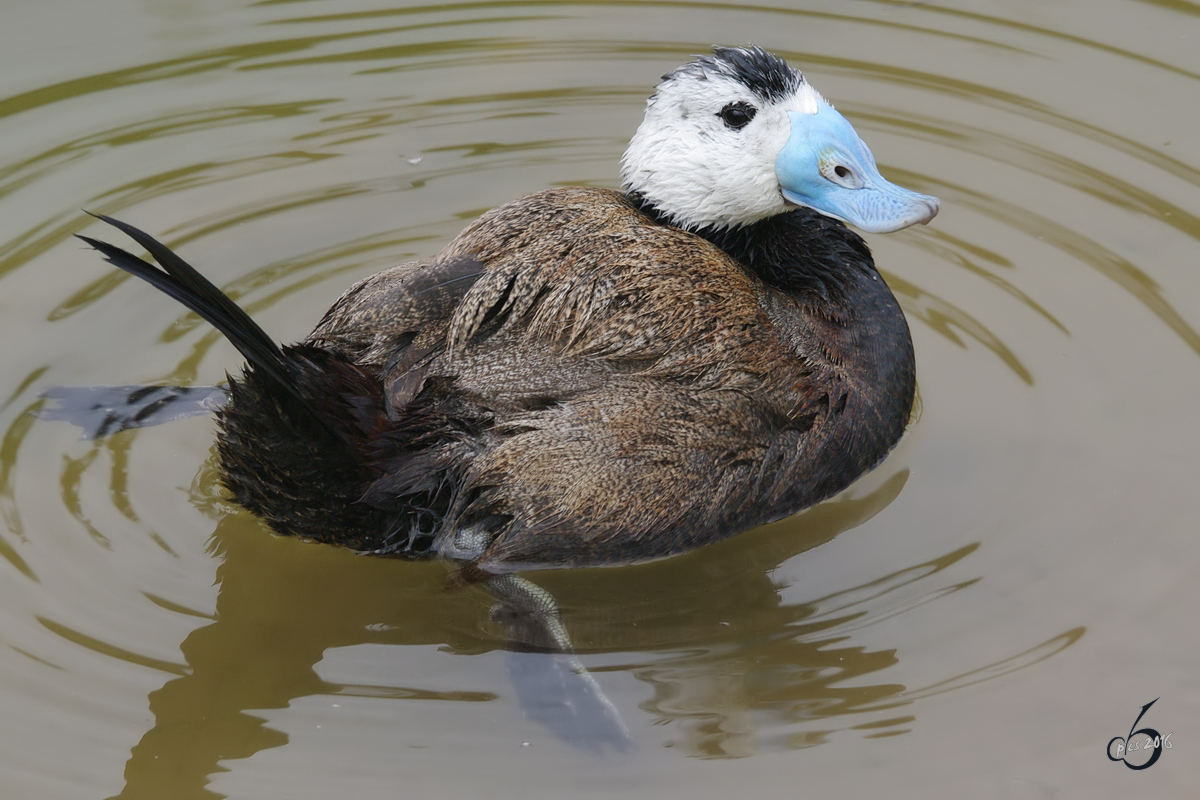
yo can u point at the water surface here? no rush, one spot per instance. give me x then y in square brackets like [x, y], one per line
[990, 606]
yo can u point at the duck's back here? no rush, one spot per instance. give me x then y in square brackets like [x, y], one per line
[571, 382]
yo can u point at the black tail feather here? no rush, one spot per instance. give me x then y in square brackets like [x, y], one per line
[299, 439]
[181, 281]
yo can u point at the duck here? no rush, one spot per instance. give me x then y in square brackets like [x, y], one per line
[588, 376]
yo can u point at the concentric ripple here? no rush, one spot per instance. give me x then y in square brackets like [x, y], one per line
[1001, 596]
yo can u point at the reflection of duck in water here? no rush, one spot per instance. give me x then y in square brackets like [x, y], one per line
[589, 377]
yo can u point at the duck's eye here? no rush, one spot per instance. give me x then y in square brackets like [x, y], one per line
[737, 115]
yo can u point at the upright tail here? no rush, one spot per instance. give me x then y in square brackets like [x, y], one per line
[181, 281]
[297, 435]
[104, 410]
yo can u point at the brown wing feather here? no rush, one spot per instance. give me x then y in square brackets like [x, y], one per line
[609, 351]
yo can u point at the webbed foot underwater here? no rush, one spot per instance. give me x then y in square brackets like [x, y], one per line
[592, 377]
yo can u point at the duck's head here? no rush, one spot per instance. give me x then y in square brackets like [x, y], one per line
[739, 136]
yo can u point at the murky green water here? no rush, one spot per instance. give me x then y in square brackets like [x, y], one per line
[976, 618]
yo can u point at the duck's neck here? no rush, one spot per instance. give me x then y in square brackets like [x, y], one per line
[801, 252]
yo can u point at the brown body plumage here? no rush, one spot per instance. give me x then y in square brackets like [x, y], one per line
[589, 377]
[571, 382]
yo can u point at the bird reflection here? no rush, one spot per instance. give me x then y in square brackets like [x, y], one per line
[707, 630]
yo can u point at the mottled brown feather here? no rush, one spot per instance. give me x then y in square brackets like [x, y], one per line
[644, 393]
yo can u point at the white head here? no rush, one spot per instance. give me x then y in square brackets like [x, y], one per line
[739, 136]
